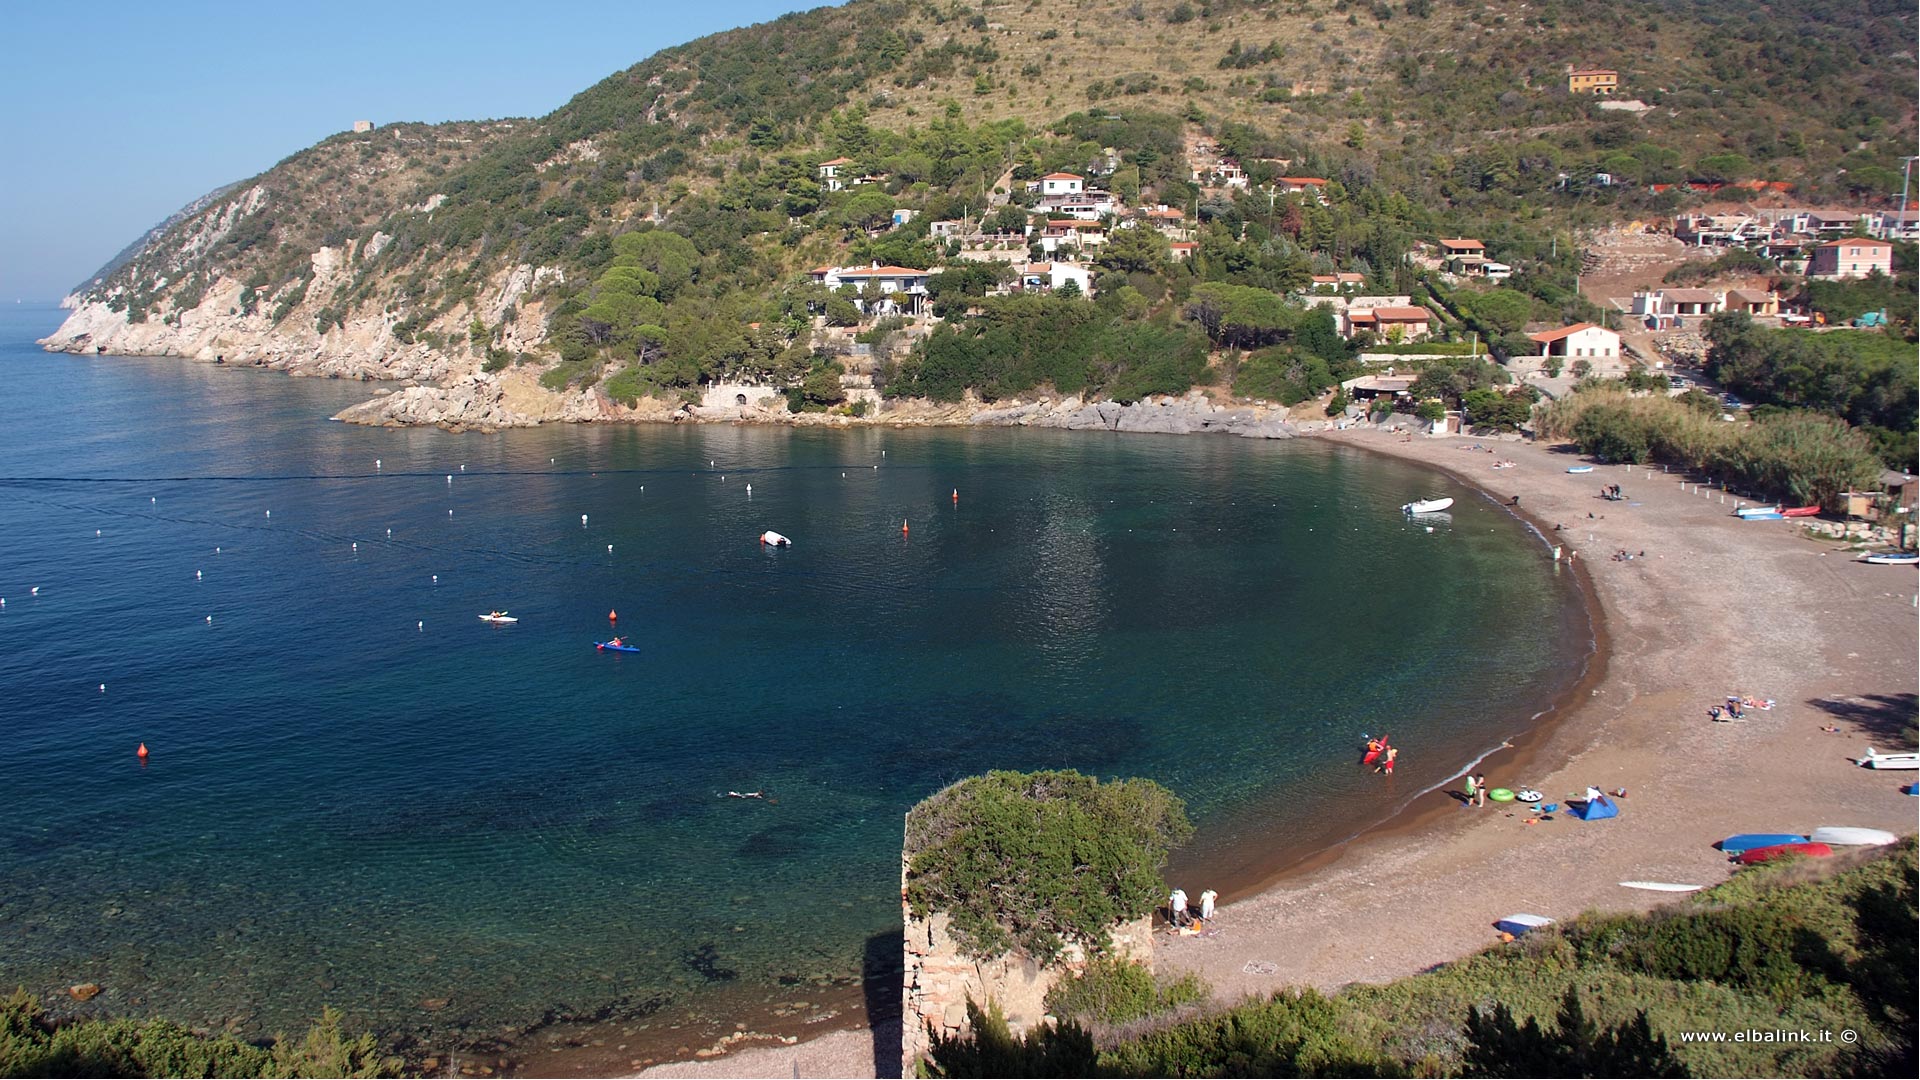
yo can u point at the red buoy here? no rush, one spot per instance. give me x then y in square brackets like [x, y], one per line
[956, 494]
[142, 752]
[613, 616]
[903, 526]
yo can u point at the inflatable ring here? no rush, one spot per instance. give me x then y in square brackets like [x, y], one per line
[1500, 794]
[1528, 795]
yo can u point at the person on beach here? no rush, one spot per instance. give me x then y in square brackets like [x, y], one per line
[1480, 790]
[1177, 908]
[1206, 904]
[1470, 790]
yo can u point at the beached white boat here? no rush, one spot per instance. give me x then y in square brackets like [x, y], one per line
[1757, 511]
[774, 539]
[1849, 836]
[1661, 886]
[499, 618]
[1426, 506]
[1900, 760]
[1893, 558]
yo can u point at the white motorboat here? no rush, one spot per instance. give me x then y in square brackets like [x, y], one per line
[1849, 836]
[1426, 506]
[498, 618]
[1893, 558]
[1661, 886]
[1756, 511]
[774, 539]
[1521, 923]
[1903, 759]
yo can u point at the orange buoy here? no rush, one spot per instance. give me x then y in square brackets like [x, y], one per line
[613, 616]
[142, 752]
[903, 526]
[956, 494]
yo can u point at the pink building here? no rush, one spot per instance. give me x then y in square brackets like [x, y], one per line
[1851, 258]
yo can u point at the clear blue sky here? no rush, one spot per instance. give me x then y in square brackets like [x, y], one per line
[115, 114]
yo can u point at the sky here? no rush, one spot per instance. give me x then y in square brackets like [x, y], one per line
[116, 113]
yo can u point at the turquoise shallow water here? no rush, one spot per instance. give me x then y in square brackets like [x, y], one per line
[361, 795]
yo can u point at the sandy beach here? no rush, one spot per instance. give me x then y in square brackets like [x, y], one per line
[1716, 606]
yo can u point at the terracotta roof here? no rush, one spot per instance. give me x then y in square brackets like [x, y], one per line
[1746, 297]
[837, 161]
[1302, 181]
[1594, 71]
[1565, 331]
[821, 270]
[1402, 314]
[1463, 244]
[1861, 242]
[885, 271]
[1037, 268]
[1062, 176]
[1184, 244]
[1173, 213]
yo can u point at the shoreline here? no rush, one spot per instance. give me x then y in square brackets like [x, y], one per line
[1673, 633]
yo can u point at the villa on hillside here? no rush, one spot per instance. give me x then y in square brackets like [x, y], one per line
[1060, 183]
[828, 173]
[1048, 276]
[1464, 255]
[1597, 345]
[1071, 232]
[905, 287]
[1593, 81]
[1837, 260]
[1391, 323]
[1341, 282]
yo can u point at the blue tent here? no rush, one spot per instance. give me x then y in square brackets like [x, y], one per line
[1601, 807]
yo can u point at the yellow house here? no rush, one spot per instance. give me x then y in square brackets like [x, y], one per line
[1593, 81]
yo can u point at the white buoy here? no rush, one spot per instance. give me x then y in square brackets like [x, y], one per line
[609, 549]
[436, 579]
[389, 532]
[96, 532]
[209, 618]
[103, 688]
[463, 468]
[216, 551]
[749, 491]
[709, 463]
[449, 478]
[35, 591]
[356, 545]
[583, 519]
[151, 499]
[449, 513]
[269, 513]
[420, 626]
[376, 463]
[196, 575]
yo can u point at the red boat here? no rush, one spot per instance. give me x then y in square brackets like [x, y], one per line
[1755, 856]
[1800, 511]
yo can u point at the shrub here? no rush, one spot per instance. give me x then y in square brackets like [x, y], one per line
[1115, 991]
[1034, 861]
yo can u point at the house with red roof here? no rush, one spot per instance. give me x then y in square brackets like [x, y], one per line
[1597, 345]
[1854, 257]
[828, 172]
[905, 288]
[1062, 183]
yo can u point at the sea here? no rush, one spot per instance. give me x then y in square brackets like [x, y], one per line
[357, 793]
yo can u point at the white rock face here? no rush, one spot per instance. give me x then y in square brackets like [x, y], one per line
[480, 400]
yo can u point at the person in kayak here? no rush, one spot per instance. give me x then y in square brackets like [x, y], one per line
[616, 642]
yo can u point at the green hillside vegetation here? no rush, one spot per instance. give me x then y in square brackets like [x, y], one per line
[1430, 117]
[1785, 947]
[33, 1044]
[1866, 378]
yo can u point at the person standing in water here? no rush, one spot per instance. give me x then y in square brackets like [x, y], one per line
[1386, 766]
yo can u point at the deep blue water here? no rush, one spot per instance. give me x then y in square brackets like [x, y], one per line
[361, 795]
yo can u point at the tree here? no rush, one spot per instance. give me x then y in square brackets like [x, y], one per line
[1135, 250]
[1500, 1047]
[1032, 861]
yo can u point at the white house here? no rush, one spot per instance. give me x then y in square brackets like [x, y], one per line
[1597, 345]
[828, 173]
[1085, 205]
[1054, 275]
[1062, 183]
[906, 288]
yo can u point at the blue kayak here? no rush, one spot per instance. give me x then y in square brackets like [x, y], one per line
[1733, 845]
[608, 646]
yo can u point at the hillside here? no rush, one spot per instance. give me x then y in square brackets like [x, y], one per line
[432, 252]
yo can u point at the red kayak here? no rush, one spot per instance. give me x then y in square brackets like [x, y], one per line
[1755, 856]
[1372, 755]
[1800, 511]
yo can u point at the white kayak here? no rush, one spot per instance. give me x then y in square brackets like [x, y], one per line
[774, 539]
[1893, 558]
[1661, 886]
[1847, 836]
[500, 619]
[1426, 506]
[1757, 511]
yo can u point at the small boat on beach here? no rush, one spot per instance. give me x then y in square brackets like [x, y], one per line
[1800, 511]
[1893, 558]
[1757, 511]
[608, 646]
[1849, 836]
[774, 539]
[1902, 759]
[1756, 856]
[498, 618]
[1579, 468]
[1521, 923]
[1426, 506]
[1661, 886]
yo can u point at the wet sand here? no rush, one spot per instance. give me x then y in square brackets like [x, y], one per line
[1717, 606]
